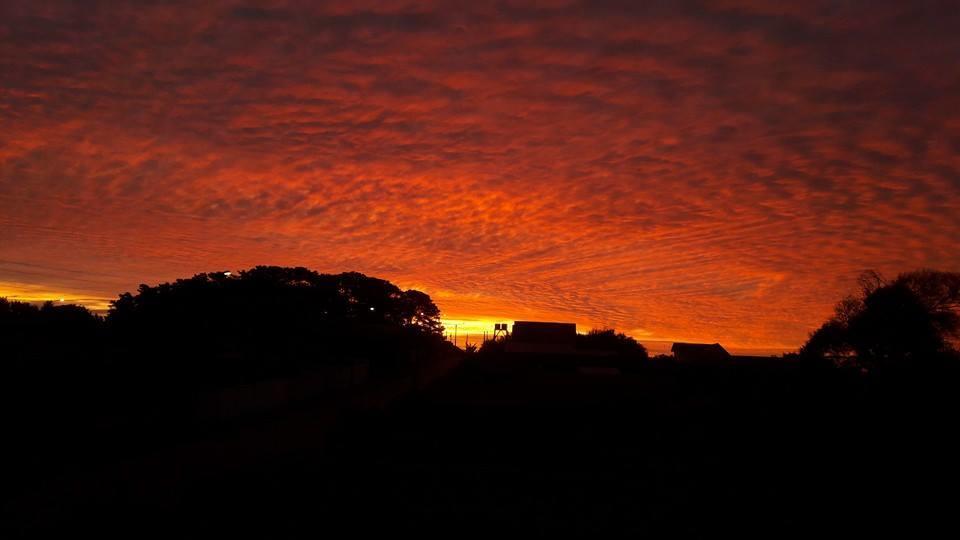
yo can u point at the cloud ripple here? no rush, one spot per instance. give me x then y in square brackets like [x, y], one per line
[715, 170]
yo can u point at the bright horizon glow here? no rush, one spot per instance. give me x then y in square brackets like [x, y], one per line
[37, 294]
[472, 328]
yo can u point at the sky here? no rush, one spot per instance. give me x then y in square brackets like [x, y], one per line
[716, 171]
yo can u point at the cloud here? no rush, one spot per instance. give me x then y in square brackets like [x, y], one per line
[716, 170]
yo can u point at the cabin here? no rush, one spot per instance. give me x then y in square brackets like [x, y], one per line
[534, 337]
[700, 353]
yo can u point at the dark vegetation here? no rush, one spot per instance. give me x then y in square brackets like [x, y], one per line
[912, 322]
[216, 328]
[614, 342]
[272, 321]
[606, 341]
[183, 359]
[49, 341]
[112, 432]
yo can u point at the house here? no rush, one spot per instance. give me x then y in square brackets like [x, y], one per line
[542, 338]
[700, 353]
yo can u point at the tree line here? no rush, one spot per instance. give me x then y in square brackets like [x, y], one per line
[272, 320]
[256, 323]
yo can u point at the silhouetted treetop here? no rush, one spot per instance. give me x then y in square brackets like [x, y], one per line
[913, 319]
[58, 332]
[269, 313]
[607, 340]
[613, 341]
[47, 317]
[270, 289]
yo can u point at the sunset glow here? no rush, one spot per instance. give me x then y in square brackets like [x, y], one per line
[715, 171]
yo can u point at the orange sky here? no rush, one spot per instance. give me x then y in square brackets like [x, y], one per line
[711, 170]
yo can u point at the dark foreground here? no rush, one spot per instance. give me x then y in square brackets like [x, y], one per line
[778, 451]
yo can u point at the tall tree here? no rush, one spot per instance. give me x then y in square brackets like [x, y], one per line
[271, 313]
[911, 320]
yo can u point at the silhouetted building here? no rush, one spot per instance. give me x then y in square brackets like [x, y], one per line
[700, 353]
[543, 338]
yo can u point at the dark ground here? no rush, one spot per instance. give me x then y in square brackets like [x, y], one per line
[778, 451]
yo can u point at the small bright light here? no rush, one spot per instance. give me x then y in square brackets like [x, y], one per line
[371, 308]
[228, 274]
[61, 299]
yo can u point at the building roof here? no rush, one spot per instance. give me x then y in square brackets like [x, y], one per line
[542, 337]
[544, 332]
[699, 352]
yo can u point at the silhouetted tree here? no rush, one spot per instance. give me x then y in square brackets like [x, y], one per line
[37, 338]
[912, 320]
[611, 340]
[270, 318]
[418, 310]
[492, 348]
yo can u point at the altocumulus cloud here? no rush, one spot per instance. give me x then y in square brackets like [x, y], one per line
[715, 170]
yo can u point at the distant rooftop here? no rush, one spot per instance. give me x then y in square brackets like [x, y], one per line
[696, 353]
[544, 332]
[542, 337]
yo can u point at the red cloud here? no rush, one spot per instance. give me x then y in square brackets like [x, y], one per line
[718, 171]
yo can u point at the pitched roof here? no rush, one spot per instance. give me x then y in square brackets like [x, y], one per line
[544, 332]
[699, 352]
